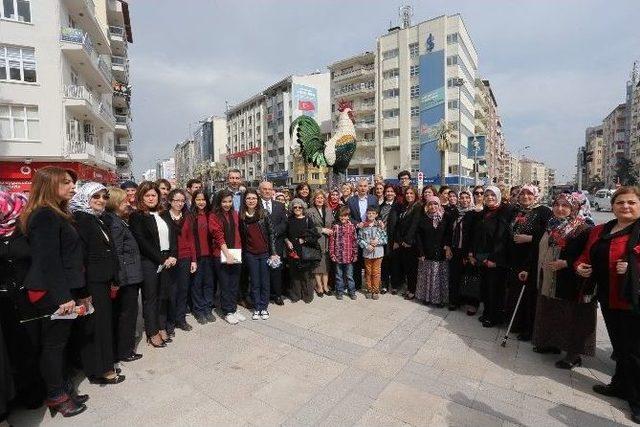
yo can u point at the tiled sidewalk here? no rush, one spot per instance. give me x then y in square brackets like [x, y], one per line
[387, 362]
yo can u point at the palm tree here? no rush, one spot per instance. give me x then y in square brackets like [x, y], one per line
[444, 135]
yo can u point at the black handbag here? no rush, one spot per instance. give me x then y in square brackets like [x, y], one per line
[307, 253]
[471, 283]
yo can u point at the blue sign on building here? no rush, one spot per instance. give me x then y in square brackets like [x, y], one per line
[481, 149]
[432, 111]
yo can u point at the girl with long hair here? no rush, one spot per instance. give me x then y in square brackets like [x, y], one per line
[202, 289]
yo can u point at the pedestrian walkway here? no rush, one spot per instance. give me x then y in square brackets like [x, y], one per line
[387, 362]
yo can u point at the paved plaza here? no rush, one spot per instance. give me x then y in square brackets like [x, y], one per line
[387, 362]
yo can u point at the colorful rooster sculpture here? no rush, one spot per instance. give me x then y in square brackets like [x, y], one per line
[336, 152]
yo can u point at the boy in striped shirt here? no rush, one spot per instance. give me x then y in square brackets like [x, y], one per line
[343, 249]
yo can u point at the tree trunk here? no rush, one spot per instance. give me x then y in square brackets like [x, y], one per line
[443, 167]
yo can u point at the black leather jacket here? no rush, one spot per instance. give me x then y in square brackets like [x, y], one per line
[267, 231]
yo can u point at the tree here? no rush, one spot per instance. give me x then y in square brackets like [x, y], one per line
[627, 175]
[444, 135]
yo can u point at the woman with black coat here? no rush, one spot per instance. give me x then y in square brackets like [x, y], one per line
[258, 246]
[101, 275]
[402, 243]
[387, 214]
[129, 274]
[489, 252]
[158, 248]
[54, 280]
[527, 227]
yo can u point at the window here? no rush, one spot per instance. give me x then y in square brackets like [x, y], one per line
[453, 105]
[414, 70]
[16, 10]
[415, 133]
[413, 50]
[391, 133]
[391, 93]
[258, 116]
[415, 152]
[315, 176]
[452, 60]
[391, 113]
[391, 73]
[415, 91]
[452, 38]
[19, 122]
[17, 63]
[415, 111]
[388, 54]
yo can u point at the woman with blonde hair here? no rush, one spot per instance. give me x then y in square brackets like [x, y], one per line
[321, 217]
[55, 279]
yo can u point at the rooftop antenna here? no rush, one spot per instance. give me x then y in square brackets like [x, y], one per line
[405, 12]
[634, 72]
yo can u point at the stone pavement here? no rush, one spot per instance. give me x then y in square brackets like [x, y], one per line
[387, 362]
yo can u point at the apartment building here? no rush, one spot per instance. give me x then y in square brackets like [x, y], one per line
[353, 81]
[184, 155]
[58, 75]
[614, 128]
[210, 138]
[532, 171]
[594, 153]
[488, 124]
[511, 170]
[425, 74]
[166, 169]
[258, 141]
[634, 134]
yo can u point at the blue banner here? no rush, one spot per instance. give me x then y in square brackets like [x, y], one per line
[432, 112]
[481, 149]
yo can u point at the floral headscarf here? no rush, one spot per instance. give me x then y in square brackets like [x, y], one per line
[536, 194]
[561, 229]
[82, 198]
[437, 216]
[11, 205]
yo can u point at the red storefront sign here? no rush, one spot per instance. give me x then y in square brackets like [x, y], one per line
[239, 154]
[17, 176]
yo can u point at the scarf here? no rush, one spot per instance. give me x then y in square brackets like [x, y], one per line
[562, 229]
[11, 205]
[536, 193]
[82, 198]
[436, 216]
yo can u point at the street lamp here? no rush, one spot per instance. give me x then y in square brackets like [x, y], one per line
[459, 82]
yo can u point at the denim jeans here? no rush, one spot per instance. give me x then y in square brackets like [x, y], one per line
[344, 273]
[260, 279]
[229, 285]
[202, 289]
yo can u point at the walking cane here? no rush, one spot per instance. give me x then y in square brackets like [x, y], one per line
[515, 311]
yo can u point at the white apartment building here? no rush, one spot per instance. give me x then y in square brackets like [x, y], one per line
[614, 128]
[488, 124]
[594, 147]
[416, 71]
[166, 169]
[258, 141]
[59, 64]
[534, 172]
[150, 175]
[353, 81]
[634, 142]
[511, 170]
[210, 138]
[184, 155]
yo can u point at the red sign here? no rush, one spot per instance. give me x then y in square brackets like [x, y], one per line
[245, 153]
[19, 174]
[306, 106]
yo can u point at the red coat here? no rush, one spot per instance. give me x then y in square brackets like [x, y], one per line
[186, 241]
[617, 250]
[216, 228]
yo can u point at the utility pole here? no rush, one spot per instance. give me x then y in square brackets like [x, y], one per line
[459, 82]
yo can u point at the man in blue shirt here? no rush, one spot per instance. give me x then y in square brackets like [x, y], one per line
[234, 182]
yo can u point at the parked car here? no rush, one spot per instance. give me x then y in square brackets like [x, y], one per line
[602, 200]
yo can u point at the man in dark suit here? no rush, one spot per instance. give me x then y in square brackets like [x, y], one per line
[358, 205]
[278, 216]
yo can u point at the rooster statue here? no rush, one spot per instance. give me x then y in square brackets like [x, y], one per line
[336, 152]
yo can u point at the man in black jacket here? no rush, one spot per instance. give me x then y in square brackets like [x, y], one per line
[278, 216]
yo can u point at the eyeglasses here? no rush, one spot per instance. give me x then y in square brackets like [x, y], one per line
[297, 207]
[102, 196]
[478, 193]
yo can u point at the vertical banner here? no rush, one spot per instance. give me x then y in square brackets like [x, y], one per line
[432, 111]
[305, 101]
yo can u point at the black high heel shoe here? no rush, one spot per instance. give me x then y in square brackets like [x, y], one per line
[66, 406]
[563, 364]
[117, 379]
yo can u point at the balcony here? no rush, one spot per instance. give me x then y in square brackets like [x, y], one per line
[367, 143]
[123, 126]
[80, 100]
[364, 125]
[118, 37]
[83, 13]
[79, 50]
[360, 107]
[114, 13]
[354, 73]
[357, 88]
[120, 68]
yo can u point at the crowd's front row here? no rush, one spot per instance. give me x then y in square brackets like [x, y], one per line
[85, 255]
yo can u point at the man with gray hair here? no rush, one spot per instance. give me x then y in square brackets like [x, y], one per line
[278, 216]
[358, 205]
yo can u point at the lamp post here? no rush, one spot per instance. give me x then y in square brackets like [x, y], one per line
[459, 82]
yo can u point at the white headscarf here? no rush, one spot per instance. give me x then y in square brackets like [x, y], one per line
[495, 190]
[81, 200]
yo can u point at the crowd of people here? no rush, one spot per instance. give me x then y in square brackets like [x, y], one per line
[75, 259]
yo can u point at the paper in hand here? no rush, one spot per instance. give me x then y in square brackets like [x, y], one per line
[160, 268]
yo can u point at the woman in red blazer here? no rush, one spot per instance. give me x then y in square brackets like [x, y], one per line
[611, 259]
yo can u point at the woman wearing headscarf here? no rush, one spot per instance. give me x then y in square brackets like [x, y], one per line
[611, 259]
[461, 272]
[489, 252]
[527, 227]
[432, 286]
[101, 275]
[566, 310]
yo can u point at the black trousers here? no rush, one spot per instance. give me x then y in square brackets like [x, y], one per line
[405, 261]
[526, 315]
[180, 276]
[387, 269]
[456, 273]
[96, 333]
[494, 284]
[624, 331]
[302, 283]
[358, 266]
[125, 314]
[156, 290]
[275, 280]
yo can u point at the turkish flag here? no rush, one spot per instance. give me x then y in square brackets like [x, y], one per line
[306, 106]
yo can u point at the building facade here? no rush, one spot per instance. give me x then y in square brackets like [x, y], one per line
[184, 156]
[418, 68]
[210, 139]
[258, 141]
[353, 81]
[488, 124]
[634, 134]
[60, 62]
[166, 169]
[511, 170]
[614, 131]
[594, 155]
[534, 172]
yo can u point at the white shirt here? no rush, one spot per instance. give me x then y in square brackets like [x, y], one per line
[267, 205]
[163, 231]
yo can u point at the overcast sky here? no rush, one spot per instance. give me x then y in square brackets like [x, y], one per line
[556, 66]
